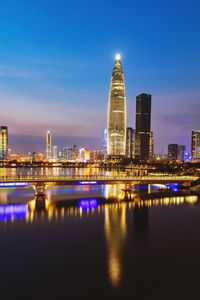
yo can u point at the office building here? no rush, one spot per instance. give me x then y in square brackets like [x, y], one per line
[3, 142]
[151, 146]
[55, 153]
[143, 127]
[173, 152]
[105, 141]
[48, 145]
[195, 145]
[116, 122]
[84, 154]
[75, 152]
[130, 142]
[181, 152]
[66, 153]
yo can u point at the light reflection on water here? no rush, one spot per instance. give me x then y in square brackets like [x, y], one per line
[109, 202]
[74, 200]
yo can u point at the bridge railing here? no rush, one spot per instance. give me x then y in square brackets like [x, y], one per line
[95, 178]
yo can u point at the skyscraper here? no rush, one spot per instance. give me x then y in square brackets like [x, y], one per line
[151, 146]
[105, 142]
[48, 145]
[130, 142]
[143, 127]
[55, 153]
[116, 123]
[181, 152]
[173, 152]
[195, 145]
[3, 142]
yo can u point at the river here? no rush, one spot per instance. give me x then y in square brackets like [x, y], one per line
[96, 242]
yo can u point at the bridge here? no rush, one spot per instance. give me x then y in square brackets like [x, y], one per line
[98, 179]
[40, 182]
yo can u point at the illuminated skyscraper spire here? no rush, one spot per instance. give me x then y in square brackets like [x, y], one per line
[116, 123]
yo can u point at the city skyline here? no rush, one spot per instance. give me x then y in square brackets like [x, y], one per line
[52, 72]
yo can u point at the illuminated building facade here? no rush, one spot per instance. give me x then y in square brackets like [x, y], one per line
[84, 154]
[3, 142]
[116, 121]
[130, 142]
[55, 153]
[105, 141]
[66, 153]
[97, 155]
[143, 127]
[151, 146]
[48, 145]
[195, 145]
[75, 152]
[37, 157]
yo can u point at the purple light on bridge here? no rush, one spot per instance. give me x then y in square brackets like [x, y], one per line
[88, 182]
[13, 184]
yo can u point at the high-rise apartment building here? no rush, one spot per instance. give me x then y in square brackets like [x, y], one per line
[130, 142]
[66, 153]
[173, 152]
[3, 142]
[151, 146]
[195, 145]
[143, 127]
[48, 145]
[75, 152]
[84, 154]
[105, 141]
[181, 152]
[55, 153]
[116, 122]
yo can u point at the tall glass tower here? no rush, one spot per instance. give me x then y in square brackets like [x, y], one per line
[3, 142]
[48, 144]
[143, 127]
[116, 123]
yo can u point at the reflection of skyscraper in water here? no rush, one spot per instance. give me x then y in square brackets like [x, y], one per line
[113, 191]
[141, 223]
[115, 232]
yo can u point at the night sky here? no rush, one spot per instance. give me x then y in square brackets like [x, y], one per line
[56, 60]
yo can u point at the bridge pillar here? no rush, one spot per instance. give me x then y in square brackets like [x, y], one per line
[128, 191]
[39, 188]
[40, 204]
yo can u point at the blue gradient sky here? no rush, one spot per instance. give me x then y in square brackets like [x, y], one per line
[56, 59]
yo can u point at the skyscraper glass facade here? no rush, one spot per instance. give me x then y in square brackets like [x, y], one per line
[130, 142]
[143, 127]
[3, 142]
[116, 122]
[195, 145]
[48, 145]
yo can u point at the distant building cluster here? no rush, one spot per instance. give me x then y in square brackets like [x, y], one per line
[119, 142]
[137, 144]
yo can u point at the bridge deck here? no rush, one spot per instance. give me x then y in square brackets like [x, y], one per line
[96, 179]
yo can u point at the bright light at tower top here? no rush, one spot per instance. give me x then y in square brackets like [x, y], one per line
[117, 56]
